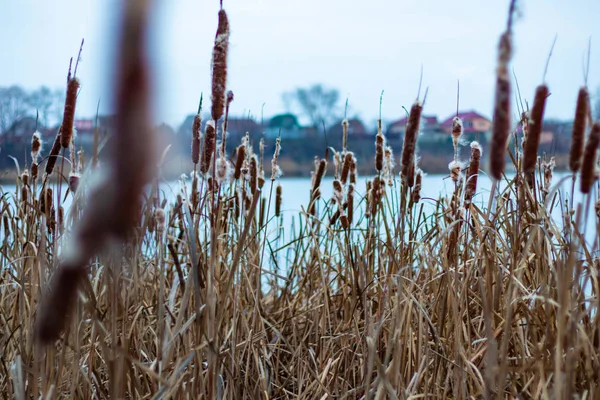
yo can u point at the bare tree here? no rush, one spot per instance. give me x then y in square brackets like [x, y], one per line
[41, 100]
[13, 106]
[317, 103]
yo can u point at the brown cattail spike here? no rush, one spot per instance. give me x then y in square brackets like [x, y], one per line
[590, 156]
[579, 125]
[253, 174]
[69, 112]
[501, 123]
[210, 141]
[410, 142]
[379, 146]
[350, 200]
[219, 66]
[278, 199]
[346, 167]
[534, 129]
[472, 173]
[53, 153]
[196, 133]
[239, 161]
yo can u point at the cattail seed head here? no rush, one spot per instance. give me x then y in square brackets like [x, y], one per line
[410, 142]
[219, 66]
[579, 125]
[45, 200]
[535, 129]
[253, 174]
[74, 178]
[69, 112]
[210, 141]
[34, 170]
[472, 173]
[416, 192]
[338, 192]
[36, 145]
[278, 199]
[346, 167]
[275, 169]
[239, 161]
[224, 170]
[501, 119]
[196, 134]
[53, 153]
[318, 176]
[353, 171]
[388, 165]
[160, 218]
[379, 145]
[590, 156]
[454, 168]
[25, 177]
[350, 200]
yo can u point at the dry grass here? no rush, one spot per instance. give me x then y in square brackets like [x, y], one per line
[372, 298]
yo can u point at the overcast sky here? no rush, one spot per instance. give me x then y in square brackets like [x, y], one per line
[359, 47]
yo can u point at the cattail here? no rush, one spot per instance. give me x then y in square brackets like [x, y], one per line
[219, 66]
[74, 181]
[160, 218]
[61, 219]
[588, 167]
[278, 195]
[345, 221]
[196, 134]
[344, 134]
[410, 141]
[472, 173]
[338, 192]
[337, 161]
[346, 167]
[410, 177]
[525, 125]
[316, 195]
[353, 171]
[210, 140]
[54, 153]
[34, 170]
[69, 112]
[223, 170]
[416, 192]
[388, 165]
[24, 194]
[318, 176]
[454, 168]
[548, 171]
[535, 129]
[45, 200]
[25, 177]
[376, 193]
[350, 200]
[195, 197]
[457, 131]
[239, 161]
[501, 119]
[379, 145]
[253, 174]
[6, 224]
[226, 123]
[36, 145]
[579, 125]
[275, 169]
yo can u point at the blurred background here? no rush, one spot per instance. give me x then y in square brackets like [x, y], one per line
[293, 65]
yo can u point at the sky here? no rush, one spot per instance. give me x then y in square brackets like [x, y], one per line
[357, 47]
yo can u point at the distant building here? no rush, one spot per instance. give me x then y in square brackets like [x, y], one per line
[429, 125]
[473, 123]
[355, 128]
[236, 127]
[285, 125]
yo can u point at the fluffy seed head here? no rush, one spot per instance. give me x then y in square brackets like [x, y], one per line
[219, 66]
[36, 145]
[210, 141]
[69, 112]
